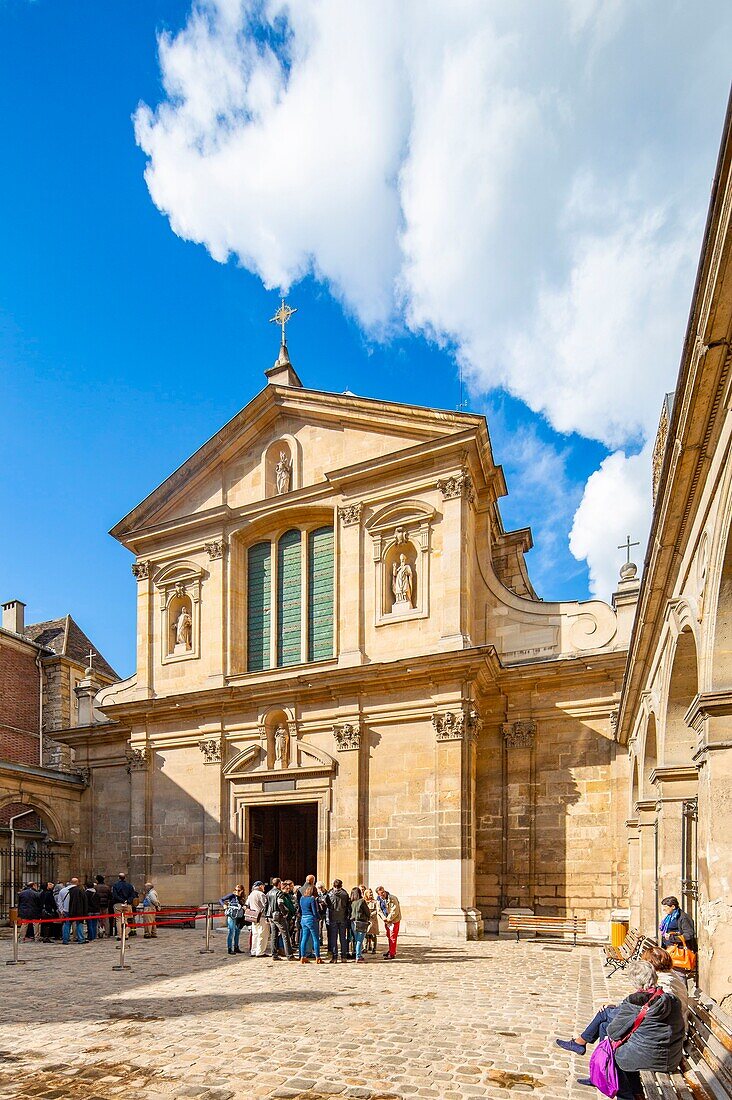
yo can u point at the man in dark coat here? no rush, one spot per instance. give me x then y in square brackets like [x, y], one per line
[104, 893]
[123, 896]
[337, 917]
[77, 905]
[49, 911]
[29, 908]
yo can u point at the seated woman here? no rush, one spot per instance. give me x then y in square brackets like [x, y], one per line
[654, 1045]
[668, 979]
[675, 924]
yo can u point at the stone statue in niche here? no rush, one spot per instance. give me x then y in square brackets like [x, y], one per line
[402, 584]
[283, 474]
[183, 628]
[281, 747]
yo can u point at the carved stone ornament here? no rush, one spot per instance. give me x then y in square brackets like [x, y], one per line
[347, 736]
[137, 759]
[659, 448]
[454, 726]
[214, 549]
[519, 735]
[141, 570]
[457, 485]
[401, 535]
[84, 774]
[211, 749]
[614, 714]
[350, 513]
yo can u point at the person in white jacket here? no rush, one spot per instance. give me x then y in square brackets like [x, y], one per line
[257, 903]
[150, 908]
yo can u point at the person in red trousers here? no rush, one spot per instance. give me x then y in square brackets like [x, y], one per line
[390, 912]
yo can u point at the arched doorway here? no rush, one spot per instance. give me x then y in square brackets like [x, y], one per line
[25, 853]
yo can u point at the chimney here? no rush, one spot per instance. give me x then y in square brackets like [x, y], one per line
[14, 616]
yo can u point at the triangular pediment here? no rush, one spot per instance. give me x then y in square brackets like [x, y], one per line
[318, 432]
[251, 763]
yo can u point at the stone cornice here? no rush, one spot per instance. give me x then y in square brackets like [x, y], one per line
[671, 774]
[708, 704]
[41, 775]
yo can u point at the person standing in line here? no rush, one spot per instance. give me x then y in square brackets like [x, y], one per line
[288, 893]
[233, 904]
[29, 908]
[94, 909]
[104, 893]
[150, 908]
[277, 914]
[49, 911]
[390, 912]
[256, 904]
[123, 893]
[337, 917]
[75, 905]
[372, 935]
[309, 926]
[360, 922]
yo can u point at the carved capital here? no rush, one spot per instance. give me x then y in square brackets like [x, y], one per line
[211, 749]
[347, 736]
[350, 514]
[85, 774]
[614, 714]
[457, 725]
[137, 759]
[457, 485]
[520, 734]
[214, 549]
[141, 570]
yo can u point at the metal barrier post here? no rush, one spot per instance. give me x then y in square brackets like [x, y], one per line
[15, 961]
[208, 949]
[122, 945]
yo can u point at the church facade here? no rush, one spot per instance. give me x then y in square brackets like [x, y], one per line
[343, 668]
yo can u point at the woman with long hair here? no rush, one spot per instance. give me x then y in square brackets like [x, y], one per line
[360, 921]
[309, 925]
[233, 904]
[372, 936]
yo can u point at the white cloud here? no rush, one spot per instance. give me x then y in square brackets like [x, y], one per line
[616, 503]
[493, 176]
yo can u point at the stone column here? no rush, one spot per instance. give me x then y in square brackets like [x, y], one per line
[647, 866]
[710, 715]
[519, 787]
[455, 914]
[457, 494]
[634, 892]
[215, 630]
[674, 786]
[349, 564]
[348, 837]
[142, 570]
[139, 760]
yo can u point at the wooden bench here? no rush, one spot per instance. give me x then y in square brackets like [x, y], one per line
[706, 1069]
[618, 957]
[548, 925]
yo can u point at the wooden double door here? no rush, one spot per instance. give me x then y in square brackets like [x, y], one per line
[283, 840]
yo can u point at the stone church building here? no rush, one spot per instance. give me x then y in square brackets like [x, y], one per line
[343, 668]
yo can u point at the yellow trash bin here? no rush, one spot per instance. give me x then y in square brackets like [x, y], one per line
[619, 924]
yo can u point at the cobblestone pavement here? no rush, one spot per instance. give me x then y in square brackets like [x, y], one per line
[468, 1020]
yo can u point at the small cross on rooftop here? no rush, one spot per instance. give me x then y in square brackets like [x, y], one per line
[626, 546]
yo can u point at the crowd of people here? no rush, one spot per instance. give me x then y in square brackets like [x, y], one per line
[648, 1027]
[92, 910]
[283, 920]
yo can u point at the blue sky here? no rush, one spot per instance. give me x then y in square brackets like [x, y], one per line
[124, 344]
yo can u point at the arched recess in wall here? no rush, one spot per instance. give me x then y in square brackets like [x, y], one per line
[679, 739]
[634, 786]
[650, 757]
[722, 647]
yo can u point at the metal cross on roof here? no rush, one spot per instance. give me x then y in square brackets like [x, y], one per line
[626, 546]
[90, 658]
[282, 316]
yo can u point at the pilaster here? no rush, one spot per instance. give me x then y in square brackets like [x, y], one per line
[352, 583]
[139, 759]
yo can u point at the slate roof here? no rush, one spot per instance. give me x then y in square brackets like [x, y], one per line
[65, 638]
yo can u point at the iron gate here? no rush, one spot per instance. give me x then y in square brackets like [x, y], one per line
[34, 862]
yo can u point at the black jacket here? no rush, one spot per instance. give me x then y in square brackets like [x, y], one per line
[48, 904]
[104, 893]
[276, 908]
[681, 925]
[360, 911]
[29, 904]
[77, 902]
[657, 1043]
[339, 906]
[92, 898]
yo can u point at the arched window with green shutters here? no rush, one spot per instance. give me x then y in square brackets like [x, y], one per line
[320, 594]
[259, 603]
[289, 599]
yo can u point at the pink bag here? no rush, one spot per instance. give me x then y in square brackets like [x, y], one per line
[603, 1070]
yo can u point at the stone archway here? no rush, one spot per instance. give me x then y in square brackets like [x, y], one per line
[31, 856]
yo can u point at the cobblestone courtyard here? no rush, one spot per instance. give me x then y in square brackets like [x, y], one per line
[470, 1020]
